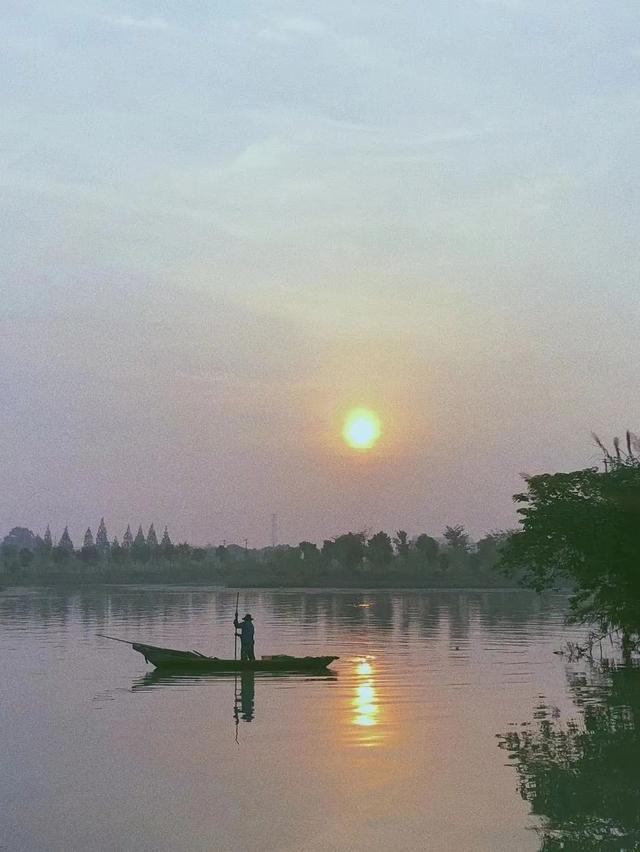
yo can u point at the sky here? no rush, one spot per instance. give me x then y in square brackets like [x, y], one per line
[226, 224]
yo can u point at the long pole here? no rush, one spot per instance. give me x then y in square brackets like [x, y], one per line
[235, 630]
[236, 712]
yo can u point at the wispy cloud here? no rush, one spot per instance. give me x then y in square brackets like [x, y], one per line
[127, 22]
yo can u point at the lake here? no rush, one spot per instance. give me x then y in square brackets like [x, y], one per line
[416, 740]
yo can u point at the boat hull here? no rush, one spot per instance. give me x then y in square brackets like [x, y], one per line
[167, 658]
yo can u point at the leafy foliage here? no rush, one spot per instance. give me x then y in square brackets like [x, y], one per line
[584, 526]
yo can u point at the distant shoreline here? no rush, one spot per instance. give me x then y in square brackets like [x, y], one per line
[90, 583]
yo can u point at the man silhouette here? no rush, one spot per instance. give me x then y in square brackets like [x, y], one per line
[246, 636]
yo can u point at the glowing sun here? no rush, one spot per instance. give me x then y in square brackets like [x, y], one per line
[361, 429]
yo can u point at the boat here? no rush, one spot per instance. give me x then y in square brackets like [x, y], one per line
[171, 659]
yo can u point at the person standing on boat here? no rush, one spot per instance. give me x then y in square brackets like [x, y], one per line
[246, 636]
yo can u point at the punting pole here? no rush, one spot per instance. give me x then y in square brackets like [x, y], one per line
[115, 639]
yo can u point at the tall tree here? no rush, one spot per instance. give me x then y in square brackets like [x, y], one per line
[401, 543]
[47, 540]
[349, 549]
[427, 547]
[88, 538]
[65, 541]
[139, 540]
[456, 537]
[585, 526]
[102, 539]
[152, 538]
[379, 549]
[127, 539]
[166, 544]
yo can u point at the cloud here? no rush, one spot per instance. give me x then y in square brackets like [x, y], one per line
[126, 22]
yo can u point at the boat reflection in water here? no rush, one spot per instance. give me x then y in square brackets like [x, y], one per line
[244, 685]
[366, 709]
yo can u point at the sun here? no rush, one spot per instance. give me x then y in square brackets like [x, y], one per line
[361, 429]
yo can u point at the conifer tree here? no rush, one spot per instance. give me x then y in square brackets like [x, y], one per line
[152, 538]
[115, 542]
[139, 540]
[102, 540]
[88, 538]
[47, 540]
[65, 541]
[127, 538]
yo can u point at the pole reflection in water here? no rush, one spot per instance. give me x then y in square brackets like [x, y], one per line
[366, 710]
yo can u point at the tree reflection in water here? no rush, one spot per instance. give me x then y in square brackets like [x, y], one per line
[583, 777]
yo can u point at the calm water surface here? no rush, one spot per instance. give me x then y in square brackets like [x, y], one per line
[413, 743]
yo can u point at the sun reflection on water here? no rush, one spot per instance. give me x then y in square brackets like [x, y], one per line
[366, 710]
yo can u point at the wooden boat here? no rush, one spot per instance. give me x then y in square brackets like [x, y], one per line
[168, 658]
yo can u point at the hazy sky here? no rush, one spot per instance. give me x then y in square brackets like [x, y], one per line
[223, 224]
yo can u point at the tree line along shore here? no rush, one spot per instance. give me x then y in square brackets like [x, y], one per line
[351, 559]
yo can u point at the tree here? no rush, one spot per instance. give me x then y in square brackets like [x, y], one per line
[221, 552]
[21, 537]
[47, 540]
[379, 549]
[349, 549]
[139, 540]
[401, 543]
[152, 538]
[88, 539]
[65, 541]
[25, 557]
[585, 526]
[443, 563]
[488, 548]
[308, 551]
[9, 554]
[456, 537]
[166, 544]
[427, 547]
[127, 539]
[328, 549]
[102, 539]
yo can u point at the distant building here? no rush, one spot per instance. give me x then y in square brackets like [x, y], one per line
[65, 541]
[127, 538]
[102, 539]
